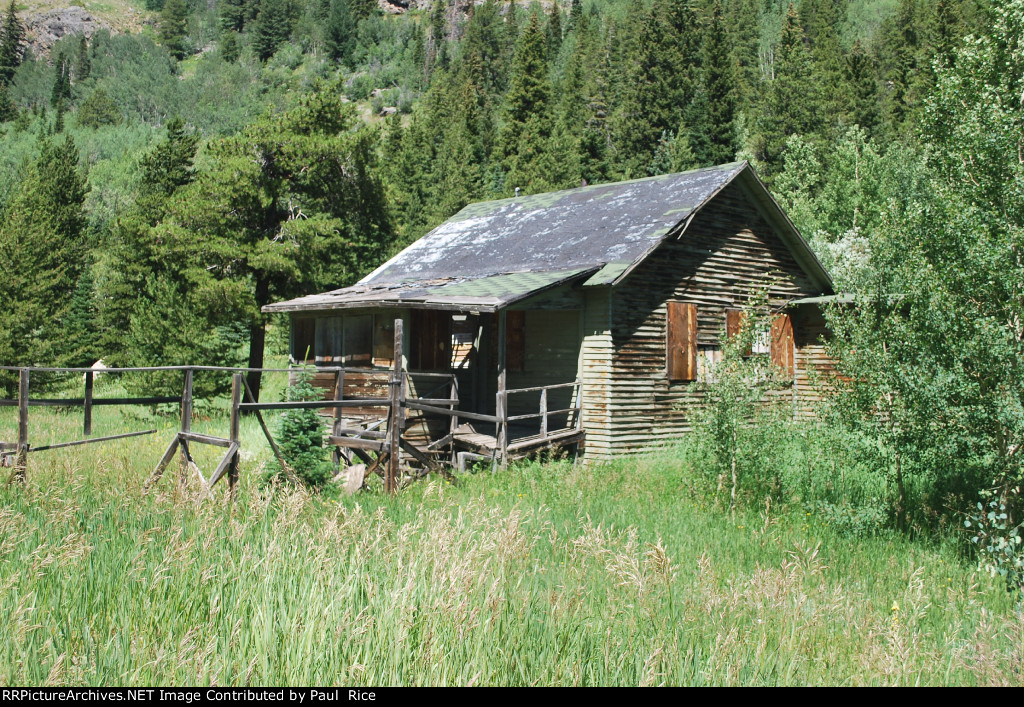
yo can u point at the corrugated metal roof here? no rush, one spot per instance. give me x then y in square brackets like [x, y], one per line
[588, 227]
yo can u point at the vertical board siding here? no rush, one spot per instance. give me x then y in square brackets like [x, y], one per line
[728, 249]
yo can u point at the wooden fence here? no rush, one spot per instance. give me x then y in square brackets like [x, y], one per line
[377, 439]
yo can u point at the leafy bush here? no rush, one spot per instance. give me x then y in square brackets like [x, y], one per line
[997, 536]
[300, 437]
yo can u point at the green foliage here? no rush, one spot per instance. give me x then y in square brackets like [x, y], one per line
[741, 425]
[173, 27]
[98, 110]
[300, 437]
[12, 44]
[42, 242]
[273, 27]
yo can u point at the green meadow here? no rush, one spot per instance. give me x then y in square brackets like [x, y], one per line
[546, 573]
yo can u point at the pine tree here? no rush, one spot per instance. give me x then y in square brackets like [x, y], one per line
[861, 77]
[229, 46]
[12, 44]
[273, 28]
[233, 14]
[98, 109]
[173, 27]
[61, 92]
[719, 84]
[43, 231]
[83, 62]
[341, 32]
[790, 105]
[577, 19]
[554, 30]
[529, 91]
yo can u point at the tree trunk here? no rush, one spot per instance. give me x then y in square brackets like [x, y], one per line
[257, 340]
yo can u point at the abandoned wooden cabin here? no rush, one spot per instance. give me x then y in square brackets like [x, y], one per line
[581, 317]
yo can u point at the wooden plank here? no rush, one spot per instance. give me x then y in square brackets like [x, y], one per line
[186, 403]
[394, 427]
[359, 432]
[476, 417]
[316, 404]
[355, 443]
[21, 459]
[205, 439]
[225, 461]
[80, 442]
[501, 400]
[162, 464]
[236, 414]
[288, 472]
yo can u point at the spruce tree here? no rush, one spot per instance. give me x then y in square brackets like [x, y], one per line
[529, 91]
[861, 77]
[43, 232]
[83, 62]
[790, 105]
[173, 26]
[229, 46]
[61, 92]
[341, 31]
[719, 85]
[273, 28]
[12, 44]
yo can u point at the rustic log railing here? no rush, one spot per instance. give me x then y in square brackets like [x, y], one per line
[380, 434]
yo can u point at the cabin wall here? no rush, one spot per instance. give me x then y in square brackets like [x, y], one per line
[728, 249]
[814, 367]
[595, 367]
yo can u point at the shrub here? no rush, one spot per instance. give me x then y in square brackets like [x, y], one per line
[301, 437]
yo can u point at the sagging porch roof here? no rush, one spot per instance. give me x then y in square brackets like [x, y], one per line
[492, 254]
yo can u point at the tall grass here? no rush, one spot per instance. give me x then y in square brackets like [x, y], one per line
[544, 574]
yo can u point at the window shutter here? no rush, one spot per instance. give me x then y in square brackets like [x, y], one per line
[782, 352]
[515, 341]
[733, 322]
[734, 319]
[681, 352]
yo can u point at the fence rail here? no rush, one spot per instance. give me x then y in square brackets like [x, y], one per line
[381, 433]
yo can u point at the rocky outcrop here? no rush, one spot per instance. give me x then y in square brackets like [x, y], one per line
[45, 28]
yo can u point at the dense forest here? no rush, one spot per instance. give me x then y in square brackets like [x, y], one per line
[158, 188]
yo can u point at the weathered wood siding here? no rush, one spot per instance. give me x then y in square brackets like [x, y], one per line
[814, 367]
[595, 364]
[727, 249]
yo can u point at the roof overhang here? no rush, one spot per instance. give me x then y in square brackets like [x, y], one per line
[483, 294]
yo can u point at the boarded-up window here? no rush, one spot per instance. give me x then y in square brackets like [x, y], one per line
[431, 340]
[515, 341]
[733, 322]
[358, 340]
[681, 354]
[782, 352]
[303, 338]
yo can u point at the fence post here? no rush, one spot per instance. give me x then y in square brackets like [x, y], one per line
[453, 394]
[21, 460]
[339, 391]
[186, 424]
[87, 424]
[501, 403]
[234, 436]
[544, 412]
[397, 418]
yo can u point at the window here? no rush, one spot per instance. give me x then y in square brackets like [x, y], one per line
[431, 340]
[303, 338]
[681, 342]
[358, 335]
